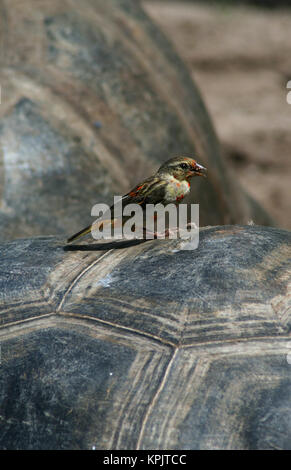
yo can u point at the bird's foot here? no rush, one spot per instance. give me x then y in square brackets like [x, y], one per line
[168, 233]
[192, 225]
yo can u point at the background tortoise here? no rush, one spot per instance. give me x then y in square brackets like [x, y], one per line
[147, 346]
[142, 346]
[94, 99]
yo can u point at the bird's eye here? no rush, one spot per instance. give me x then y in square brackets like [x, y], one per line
[184, 166]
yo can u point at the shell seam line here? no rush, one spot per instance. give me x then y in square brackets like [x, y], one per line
[120, 327]
[79, 277]
[155, 398]
[286, 337]
[26, 320]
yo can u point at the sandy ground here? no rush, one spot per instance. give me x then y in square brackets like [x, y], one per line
[240, 59]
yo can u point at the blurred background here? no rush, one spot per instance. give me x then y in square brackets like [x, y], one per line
[238, 52]
[96, 95]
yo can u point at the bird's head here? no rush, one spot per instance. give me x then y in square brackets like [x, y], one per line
[182, 168]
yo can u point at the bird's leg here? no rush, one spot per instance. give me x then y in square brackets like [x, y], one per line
[192, 225]
[171, 232]
[149, 234]
[168, 233]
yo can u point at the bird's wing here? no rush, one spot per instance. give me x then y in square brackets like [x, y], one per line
[150, 191]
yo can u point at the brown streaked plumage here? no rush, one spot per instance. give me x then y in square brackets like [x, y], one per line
[168, 185]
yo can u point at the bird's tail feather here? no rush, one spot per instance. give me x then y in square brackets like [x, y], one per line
[95, 226]
[80, 234]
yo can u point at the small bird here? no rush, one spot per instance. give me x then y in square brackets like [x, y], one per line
[170, 184]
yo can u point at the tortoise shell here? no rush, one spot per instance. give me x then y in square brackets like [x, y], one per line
[145, 346]
[94, 100]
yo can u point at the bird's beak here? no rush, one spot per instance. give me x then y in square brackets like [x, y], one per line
[198, 170]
